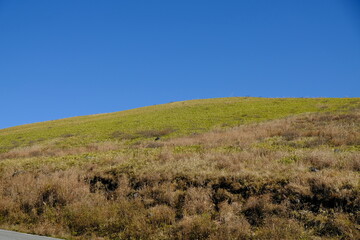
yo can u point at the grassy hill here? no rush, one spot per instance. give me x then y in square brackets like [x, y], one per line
[173, 119]
[227, 168]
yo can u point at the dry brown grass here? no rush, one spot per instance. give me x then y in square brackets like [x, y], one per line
[53, 151]
[295, 178]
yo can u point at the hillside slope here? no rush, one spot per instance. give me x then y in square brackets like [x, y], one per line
[232, 168]
[174, 119]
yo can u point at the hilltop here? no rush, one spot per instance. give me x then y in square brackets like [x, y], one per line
[226, 168]
[172, 119]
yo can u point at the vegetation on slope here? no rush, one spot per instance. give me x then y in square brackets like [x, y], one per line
[174, 119]
[294, 177]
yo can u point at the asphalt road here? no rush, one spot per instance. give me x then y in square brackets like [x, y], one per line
[9, 235]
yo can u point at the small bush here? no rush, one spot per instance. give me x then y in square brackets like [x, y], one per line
[198, 201]
[155, 133]
[194, 228]
[233, 225]
[122, 135]
[161, 215]
[279, 229]
[257, 209]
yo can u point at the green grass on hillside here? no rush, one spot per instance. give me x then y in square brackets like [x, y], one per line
[173, 119]
[290, 171]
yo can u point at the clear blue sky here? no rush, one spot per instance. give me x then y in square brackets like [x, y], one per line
[64, 58]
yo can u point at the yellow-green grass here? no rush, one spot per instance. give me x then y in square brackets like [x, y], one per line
[167, 120]
[290, 171]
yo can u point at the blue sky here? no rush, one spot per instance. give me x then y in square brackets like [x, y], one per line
[64, 58]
